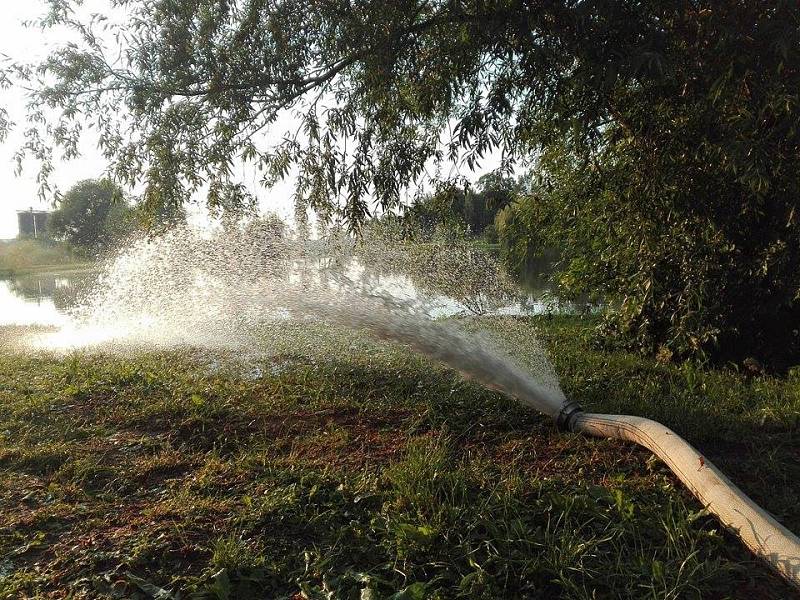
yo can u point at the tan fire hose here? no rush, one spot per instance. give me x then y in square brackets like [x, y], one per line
[757, 529]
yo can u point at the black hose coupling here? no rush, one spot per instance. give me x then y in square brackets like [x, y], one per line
[566, 416]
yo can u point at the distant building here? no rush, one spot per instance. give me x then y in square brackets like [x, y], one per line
[32, 223]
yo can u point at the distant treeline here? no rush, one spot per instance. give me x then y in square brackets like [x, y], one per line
[475, 211]
[493, 210]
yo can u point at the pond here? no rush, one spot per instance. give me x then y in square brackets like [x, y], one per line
[45, 299]
[41, 299]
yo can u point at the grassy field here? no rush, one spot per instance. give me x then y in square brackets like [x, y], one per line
[28, 255]
[374, 476]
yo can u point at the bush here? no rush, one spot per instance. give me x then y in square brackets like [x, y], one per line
[717, 283]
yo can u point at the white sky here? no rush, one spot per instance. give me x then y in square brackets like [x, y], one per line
[20, 43]
[20, 192]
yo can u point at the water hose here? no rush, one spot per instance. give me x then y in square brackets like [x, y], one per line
[757, 529]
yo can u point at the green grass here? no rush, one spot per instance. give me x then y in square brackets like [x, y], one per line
[30, 255]
[374, 475]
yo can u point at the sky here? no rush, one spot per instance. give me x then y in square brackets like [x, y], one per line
[20, 192]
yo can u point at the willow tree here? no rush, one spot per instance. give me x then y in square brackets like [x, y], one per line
[667, 129]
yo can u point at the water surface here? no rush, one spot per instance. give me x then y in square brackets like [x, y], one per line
[41, 299]
[46, 299]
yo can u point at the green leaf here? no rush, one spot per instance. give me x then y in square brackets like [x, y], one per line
[415, 591]
[152, 590]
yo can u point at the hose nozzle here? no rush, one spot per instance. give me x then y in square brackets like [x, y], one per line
[566, 416]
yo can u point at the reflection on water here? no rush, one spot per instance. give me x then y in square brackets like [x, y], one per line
[40, 299]
[47, 298]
